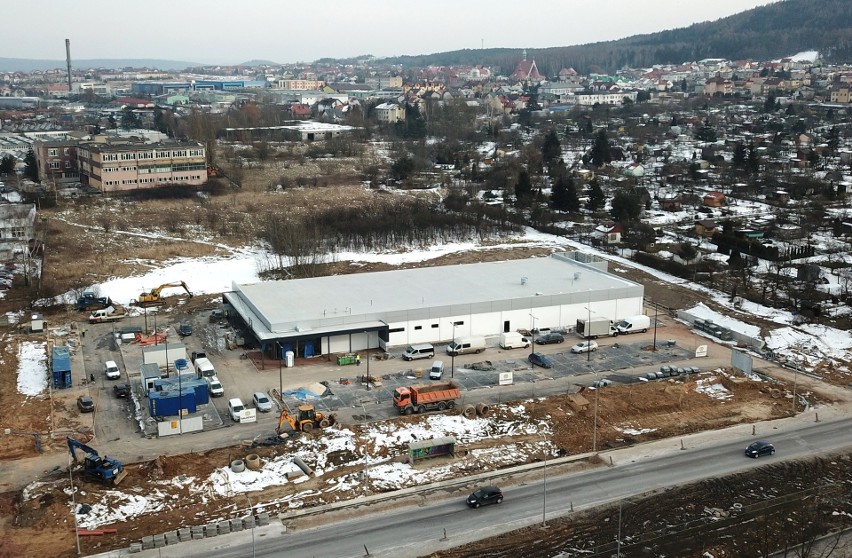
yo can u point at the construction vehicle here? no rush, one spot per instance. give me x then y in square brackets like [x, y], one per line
[419, 399]
[107, 470]
[88, 301]
[152, 298]
[306, 421]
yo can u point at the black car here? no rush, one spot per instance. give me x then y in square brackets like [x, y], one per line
[538, 359]
[185, 330]
[121, 390]
[549, 338]
[760, 447]
[85, 404]
[484, 496]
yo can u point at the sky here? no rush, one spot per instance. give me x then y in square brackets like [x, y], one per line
[230, 33]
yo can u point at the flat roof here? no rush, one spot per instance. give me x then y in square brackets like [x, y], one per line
[344, 299]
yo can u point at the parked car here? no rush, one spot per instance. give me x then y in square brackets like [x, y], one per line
[549, 338]
[758, 448]
[184, 330]
[538, 359]
[85, 404]
[485, 496]
[121, 390]
[666, 370]
[261, 402]
[585, 347]
[601, 383]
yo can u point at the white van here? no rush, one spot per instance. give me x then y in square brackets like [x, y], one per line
[465, 345]
[422, 350]
[513, 340]
[437, 370]
[112, 371]
[633, 324]
[214, 386]
[239, 412]
[204, 368]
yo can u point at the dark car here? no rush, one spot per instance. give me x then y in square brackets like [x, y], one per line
[549, 338]
[760, 447]
[538, 359]
[85, 404]
[484, 496]
[185, 330]
[121, 390]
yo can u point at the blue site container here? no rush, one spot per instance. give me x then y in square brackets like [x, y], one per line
[60, 364]
[169, 403]
[184, 382]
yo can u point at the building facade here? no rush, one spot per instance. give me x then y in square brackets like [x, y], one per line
[390, 309]
[57, 161]
[116, 167]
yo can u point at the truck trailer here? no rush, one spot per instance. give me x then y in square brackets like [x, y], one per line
[594, 328]
[432, 397]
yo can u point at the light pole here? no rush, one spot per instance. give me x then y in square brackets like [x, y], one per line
[595, 425]
[71, 463]
[544, 491]
[588, 333]
[453, 353]
[532, 333]
[280, 377]
[251, 514]
[795, 384]
[656, 313]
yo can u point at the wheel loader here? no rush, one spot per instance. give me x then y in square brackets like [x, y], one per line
[305, 421]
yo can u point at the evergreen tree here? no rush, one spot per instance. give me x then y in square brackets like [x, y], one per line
[626, 206]
[7, 165]
[597, 198]
[740, 155]
[551, 148]
[130, 120]
[31, 168]
[523, 188]
[413, 126]
[769, 103]
[600, 154]
[564, 195]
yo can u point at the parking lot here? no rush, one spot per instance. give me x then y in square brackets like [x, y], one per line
[621, 360]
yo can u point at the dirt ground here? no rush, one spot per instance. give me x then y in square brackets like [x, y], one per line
[43, 525]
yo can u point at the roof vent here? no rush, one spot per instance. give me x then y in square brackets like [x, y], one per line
[523, 280]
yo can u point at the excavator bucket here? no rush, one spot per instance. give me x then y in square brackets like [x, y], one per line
[119, 477]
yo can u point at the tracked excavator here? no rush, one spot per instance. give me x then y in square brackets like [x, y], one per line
[152, 298]
[107, 470]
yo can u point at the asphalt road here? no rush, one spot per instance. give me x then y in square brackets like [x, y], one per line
[419, 528]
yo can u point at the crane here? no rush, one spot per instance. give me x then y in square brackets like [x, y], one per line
[152, 297]
[107, 470]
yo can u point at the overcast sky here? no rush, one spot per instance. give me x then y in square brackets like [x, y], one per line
[283, 31]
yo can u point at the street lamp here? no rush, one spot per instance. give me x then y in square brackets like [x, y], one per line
[71, 463]
[251, 514]
[280, 377]
[595, 426]
[588, 333]
[532, 333]
[544, 491]
[453, 353]
[656, 313]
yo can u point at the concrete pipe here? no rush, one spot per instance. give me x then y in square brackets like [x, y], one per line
[238, 465]
[469, 411]
[483, 410]
[253, 461]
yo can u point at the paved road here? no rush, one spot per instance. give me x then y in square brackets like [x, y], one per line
[418, 528]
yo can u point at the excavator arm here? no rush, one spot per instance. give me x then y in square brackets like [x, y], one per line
[74, 445]
[153, 297]
[285, 417]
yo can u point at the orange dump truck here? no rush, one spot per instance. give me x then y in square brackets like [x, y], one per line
[431, 397]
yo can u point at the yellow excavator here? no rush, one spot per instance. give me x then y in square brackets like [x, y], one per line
[152, 298]
[306, 420]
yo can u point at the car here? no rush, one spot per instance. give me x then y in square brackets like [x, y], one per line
[184, 330]
[538, 359]
[666, 370]
[195, 355]
[601, 383]
[585, 347]
[235, 409]
[549, 338]
[121, 390]
[261, 402]
[758, 448]
[85, 404]
[694, 370]
[485, 496]
[112, 371]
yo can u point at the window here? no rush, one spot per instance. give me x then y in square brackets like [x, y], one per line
[52, 152]
[434, 326]
[67, 164]
[418, 328]
[54, 164]
[396, 330]
[67, 151]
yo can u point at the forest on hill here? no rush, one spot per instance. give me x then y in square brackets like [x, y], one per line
[765, 33]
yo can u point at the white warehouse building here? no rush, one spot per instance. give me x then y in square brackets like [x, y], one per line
[347, 313]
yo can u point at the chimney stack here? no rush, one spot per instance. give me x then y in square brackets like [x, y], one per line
[68, 61]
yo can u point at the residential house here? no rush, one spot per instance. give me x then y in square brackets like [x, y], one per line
[718, 85]
[608, 233]
[842, 94]
[670, 204]
[714, 199]
[634, 170]
[705, 227]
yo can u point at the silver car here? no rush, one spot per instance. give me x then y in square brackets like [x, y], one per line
[262, 402]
